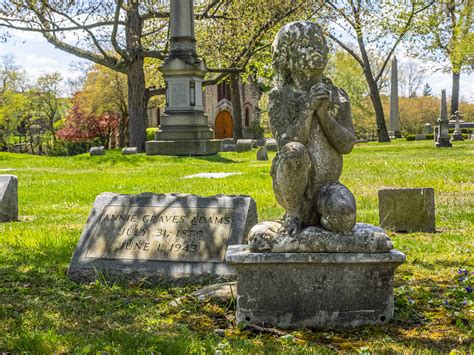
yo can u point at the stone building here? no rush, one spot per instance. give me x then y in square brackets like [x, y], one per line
[218, 107]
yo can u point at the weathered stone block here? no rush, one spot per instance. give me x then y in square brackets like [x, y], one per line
[407, 210]
[96, 151]
[262, 153]
[228, 148]
[129, 151]
[314, 290]
[244, 145]
[8, 198]
[161, 237]
[271, 145]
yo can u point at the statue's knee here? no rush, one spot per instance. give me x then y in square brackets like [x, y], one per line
[294, 155]
[337, 208]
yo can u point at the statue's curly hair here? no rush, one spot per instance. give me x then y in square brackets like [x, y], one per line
[300, 40]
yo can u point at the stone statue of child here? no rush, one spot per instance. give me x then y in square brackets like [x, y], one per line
[311, 120]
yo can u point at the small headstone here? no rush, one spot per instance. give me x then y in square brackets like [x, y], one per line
[262, 153]
[210, 175]
[8, 198]
[161, 237]
[472, 136]
[225, 142]
[272, 145]
[229, 148]
[260, 142]
[129, 151]
[407, 210]
[420, 137]
[96, 151]
[427, 129]
[244, 145]
[457, 134]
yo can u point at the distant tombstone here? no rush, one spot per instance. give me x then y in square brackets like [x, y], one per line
[129, 151]
[427, 129]
[244, 145]
[228, 148]
[161, 237]
[420, 137]
[8, 198]
[407, 210]
[271, 145]
[260, 142]
[442, 138]
[472, 136]
[96, 151]
[436, 130]
[226, 141]
[457, 134]
[262, 153]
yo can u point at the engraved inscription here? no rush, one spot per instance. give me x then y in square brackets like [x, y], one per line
[162, 233]
[179, 94]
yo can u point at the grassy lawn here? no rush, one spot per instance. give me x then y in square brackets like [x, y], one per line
[42, 311]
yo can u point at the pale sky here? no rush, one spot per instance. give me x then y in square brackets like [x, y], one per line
[34, 54]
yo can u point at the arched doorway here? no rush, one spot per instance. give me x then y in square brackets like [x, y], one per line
[224, 126]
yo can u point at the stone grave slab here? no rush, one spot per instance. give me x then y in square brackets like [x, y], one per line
[130, 151]
[161, 237]
[96, 151]
[407, 210]
[8, 198]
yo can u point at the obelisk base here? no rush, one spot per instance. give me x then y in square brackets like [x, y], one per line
[183, 147]
[394, 134]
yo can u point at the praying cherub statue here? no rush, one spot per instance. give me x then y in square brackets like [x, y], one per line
[311, 120]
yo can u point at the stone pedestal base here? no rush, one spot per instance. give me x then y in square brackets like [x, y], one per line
[183, 147]
[457, 136]
[394, 134]
[443, 142]
[314, 290]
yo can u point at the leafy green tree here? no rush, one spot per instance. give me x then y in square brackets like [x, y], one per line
[377, 26]
[445, 35]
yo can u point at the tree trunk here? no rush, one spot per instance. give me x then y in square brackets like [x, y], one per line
[236, 106]
[382, 133]
[135, 80]
[137, 105]
[455, 93]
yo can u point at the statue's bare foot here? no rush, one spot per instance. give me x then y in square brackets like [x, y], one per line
[291, 225]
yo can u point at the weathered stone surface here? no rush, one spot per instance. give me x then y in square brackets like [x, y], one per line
[420, 137]
[314, 290]
[407, 210]
[262, 153]
[223, 292]
[442, 137]
[260, 142]
[159, 237]
[427, 129]
[229, 148]
[210, 175]
[8, 198]
[96, 151]
[129, 151]
[271, 144]
[226, 141]
[457, 135]
[311, 121]
[394, 131]
[364, 238]
[244, 145]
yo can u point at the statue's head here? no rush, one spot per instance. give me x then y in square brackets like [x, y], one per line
[300, 53]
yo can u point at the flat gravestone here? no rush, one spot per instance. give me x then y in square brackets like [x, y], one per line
[407, 210]
[130, 151]
[96, 151]
[244, 145]
[161, 237]
[8, 198]
[271, 145]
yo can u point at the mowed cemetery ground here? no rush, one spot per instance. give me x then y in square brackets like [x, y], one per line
[42, 311]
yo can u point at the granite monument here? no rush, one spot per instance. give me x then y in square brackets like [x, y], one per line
[8, 198]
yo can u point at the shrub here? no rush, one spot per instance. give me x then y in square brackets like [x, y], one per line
[410, 137]
[430, 136]
[150, 133]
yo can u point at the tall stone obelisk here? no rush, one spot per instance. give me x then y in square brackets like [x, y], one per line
[394, 131]
[185, 129]
[442, 138]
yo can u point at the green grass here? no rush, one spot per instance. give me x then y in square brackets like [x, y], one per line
[42, 311]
